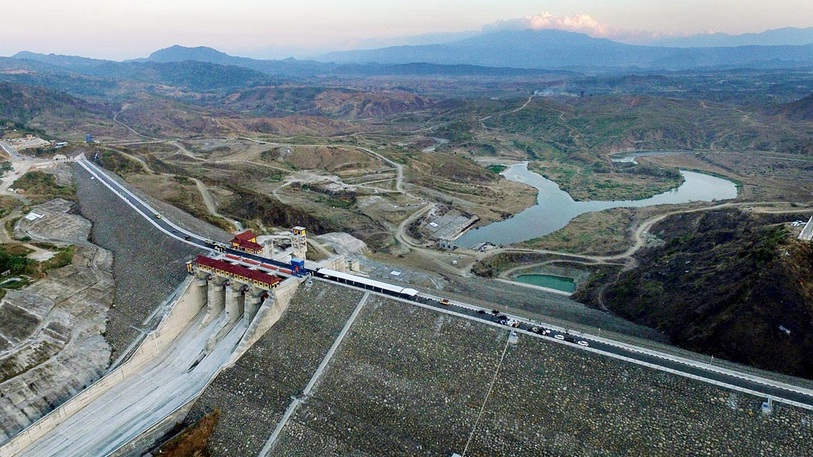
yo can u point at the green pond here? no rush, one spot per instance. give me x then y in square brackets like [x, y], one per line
[551, 281]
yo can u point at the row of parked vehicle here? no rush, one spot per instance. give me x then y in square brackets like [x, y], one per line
[559, 336]
[502, 319]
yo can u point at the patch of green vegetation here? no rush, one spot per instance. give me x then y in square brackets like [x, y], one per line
[344, 200]
[491, 266]
[602, 181]
[119, 163]
[7, 205]
[13, 259]
[594, 233]
[457, 132]
[183, 180]
[770, 238]
[497, 168]
[63, 257]
[5, 167]
[16, 284]
[15, 263]
[10, 224]
[270, 155]
[476, 148]
[44, 186]
[161, 166]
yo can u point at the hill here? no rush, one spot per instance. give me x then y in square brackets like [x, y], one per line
[800, 110]
[200, 53]
[288, 67]
[58, 72]
[22, 104]
[728, 284]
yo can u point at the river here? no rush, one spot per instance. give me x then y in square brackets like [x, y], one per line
[555, 208]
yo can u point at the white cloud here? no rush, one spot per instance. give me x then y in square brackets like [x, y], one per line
[580, 23]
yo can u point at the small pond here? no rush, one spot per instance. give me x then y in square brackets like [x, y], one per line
[562, 283]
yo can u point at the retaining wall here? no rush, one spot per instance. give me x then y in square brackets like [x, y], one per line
[170, 327]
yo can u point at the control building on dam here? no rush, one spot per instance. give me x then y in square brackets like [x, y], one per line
[232, 287]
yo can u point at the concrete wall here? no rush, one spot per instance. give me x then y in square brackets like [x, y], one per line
[269, 313]
[216, 298]
[149, 439]
[234, 302]
[187, 307]
[336, 262]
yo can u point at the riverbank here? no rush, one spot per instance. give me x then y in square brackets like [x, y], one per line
[556, 208]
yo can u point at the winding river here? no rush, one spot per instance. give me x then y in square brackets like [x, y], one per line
[555, 208]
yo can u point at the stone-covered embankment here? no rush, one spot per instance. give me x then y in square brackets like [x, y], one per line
[254, 393]
[410, 381]
[148, 265]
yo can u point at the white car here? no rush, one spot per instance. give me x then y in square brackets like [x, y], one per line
[559, 337]
[583, 343]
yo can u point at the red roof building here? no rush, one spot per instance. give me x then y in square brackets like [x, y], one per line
[247, 241]
[248, 235]
[237, 272]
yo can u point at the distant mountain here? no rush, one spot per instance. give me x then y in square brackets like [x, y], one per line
[57, 60]
[200, 53]
[195, 75]
[789, 36]
[556, 49]
[288, 67]
[420, 68]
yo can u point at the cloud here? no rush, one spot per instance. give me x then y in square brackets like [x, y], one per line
[581, 23]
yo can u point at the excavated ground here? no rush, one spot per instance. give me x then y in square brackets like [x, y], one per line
[52, 331]
[60, 334]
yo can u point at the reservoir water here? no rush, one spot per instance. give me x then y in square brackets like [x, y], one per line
[551, 281]
[555, 208]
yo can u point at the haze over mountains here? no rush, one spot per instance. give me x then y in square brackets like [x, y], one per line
[778, 37]
[519, 49]
[555, 49]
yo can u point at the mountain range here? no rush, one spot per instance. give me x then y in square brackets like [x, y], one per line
[493, 54]
[788, 36]
[556, 49]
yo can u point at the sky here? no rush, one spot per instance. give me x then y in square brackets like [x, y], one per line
[127, 29]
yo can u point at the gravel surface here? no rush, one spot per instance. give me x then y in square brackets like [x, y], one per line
[406, 381]
[254, 394]
[147, 266]
[409, 381]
